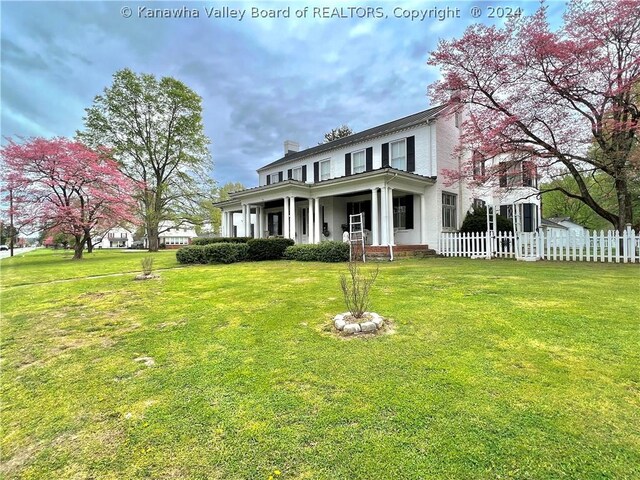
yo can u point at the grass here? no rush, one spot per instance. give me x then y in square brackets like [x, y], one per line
[495, 370]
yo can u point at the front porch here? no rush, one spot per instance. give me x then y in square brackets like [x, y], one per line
[395, 208]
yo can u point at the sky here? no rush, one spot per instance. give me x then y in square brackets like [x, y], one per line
[262, 80]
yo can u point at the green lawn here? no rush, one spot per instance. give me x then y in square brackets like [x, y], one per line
[495, 369]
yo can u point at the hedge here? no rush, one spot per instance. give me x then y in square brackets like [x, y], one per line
[213, 253]
[322, 252]
[268, 248]
[209, 241]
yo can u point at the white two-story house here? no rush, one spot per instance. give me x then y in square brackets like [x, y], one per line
[394, 173]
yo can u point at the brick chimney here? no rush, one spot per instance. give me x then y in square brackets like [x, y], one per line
[291, 147]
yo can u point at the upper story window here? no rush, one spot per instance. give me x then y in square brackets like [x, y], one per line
[358, 162]
[398, 155]
[518, 174]
[325, 170]
[274, 178]
[296, 173]
[479, 168]
[449, 218]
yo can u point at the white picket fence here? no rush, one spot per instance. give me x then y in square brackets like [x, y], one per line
[611, 246]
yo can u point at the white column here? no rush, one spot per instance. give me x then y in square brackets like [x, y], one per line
[310, 229]
[285, 218]
[256, 223]
[384, 217]
[292, 216]
[390, 206]
[259, 221]
[318, 221]
[375, 227]
[223, 224]
[264, 222]
[423, 219]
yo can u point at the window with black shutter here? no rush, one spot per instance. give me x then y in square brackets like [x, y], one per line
[411, 154]
[385, 155]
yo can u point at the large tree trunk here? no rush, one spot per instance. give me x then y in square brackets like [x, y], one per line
[78, 247]
[153, 237]
[87, 236]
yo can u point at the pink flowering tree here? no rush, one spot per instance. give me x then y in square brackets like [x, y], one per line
[63, 185]
[567, 100]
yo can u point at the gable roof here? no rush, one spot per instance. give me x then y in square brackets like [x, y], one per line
[384, 129]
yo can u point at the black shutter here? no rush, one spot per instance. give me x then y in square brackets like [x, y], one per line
[369, 159]
[408, 203]
[411, 155]
[385, 155]
[316, 172]
[279, 176]
[279, 214]
[268, 179]
[366, 208]
[504, 211]
[347, 164]
[527, 217]
[304, 173]
[289, 174]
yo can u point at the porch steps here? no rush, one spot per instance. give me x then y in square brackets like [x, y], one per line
[399, 251]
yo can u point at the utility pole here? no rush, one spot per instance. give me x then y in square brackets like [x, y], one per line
[11, 229]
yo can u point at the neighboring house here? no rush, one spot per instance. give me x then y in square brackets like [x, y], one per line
[117, 237]
[569, 225]
[550, 226]
[394, 173]
[172, 236]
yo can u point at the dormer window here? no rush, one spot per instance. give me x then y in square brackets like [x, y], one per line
[398, 155]
[358, 164]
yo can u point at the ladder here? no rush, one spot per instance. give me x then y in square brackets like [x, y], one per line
[517, 227]
[356, 236]
[491, 231]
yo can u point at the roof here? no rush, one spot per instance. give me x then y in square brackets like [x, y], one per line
[384, 129]
[551, 224]
[309, 186]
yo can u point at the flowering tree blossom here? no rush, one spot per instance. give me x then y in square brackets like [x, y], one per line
[568, 100]
[62, 184]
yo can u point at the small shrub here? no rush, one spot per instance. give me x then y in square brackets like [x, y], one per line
[322, 252]
[225, 252]
[209, 241]
[356, 287]
[191, 254]
[147, 265]
[268, 248]
[476, 222]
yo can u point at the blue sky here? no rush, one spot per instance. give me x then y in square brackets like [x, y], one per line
[262, 81]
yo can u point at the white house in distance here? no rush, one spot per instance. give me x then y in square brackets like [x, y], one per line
[394, 173]
[174, 236]
[117, 237]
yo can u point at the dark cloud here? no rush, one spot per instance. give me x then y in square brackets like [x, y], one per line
[261, 82]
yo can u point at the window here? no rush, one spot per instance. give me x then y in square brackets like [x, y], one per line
[304, 221]
[274, 178]
[358, 162]
[398, 155]
[478, 166]
[296, 173]
[325, 170]
[399, 213]
[449, 219]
